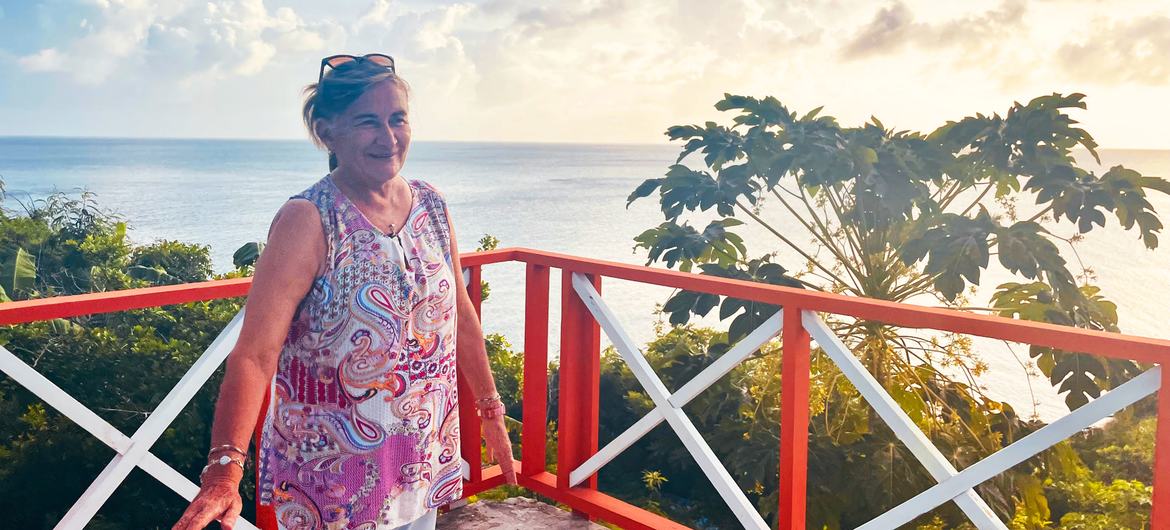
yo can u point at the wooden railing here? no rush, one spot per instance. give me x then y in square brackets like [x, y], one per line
[583, 315]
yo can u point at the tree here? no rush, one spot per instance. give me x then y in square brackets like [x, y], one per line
[900, 215]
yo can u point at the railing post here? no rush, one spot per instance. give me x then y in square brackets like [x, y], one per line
[469, 425]
[265, 514]
[794, 383]
[580, 370]
[533, 436]
[1160, 516]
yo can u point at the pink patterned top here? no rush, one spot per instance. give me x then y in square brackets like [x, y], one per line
[362, 432]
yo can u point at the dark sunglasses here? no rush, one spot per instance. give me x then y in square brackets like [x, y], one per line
[335, 61]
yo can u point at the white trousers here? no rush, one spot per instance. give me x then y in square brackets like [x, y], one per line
[426, 522]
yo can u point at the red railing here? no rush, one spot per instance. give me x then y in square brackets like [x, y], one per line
[580, 368]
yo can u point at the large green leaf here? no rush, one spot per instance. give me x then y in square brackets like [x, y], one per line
[1080, 377]
[18, 272]
[247, 254]
[957, 249]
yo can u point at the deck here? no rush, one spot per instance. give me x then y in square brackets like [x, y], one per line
[516, 513]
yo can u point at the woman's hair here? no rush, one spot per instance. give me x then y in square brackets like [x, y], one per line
[339, 88]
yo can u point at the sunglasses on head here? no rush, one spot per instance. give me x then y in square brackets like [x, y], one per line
[335, 61]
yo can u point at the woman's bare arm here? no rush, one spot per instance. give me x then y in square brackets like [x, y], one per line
[284, 273]
[474, 367]
[469, 343]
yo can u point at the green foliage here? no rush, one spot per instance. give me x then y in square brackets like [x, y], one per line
[900, 216]
[246, 256]
[18, 272]
[1079, 375]
[876, 203]
[739, 418]
[120, 365]
[487, 242]
[508, 369]
[170, 262]
[1119, 504]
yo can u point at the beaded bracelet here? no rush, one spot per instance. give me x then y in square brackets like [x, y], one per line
[222, 461]
[227, 447]
[488, 401]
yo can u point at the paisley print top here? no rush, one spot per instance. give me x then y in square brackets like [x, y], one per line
[362, 431]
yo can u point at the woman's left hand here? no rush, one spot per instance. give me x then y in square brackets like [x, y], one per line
[499, 446]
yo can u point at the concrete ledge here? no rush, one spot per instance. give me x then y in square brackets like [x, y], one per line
[516, 513]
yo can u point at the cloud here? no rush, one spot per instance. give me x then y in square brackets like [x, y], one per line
[92, 58]
[1120, 52]
[597, 70]
[505, 67]
[890, 29]
[378, 15]
[894, 27]
[182, 39]
[46, 60]
[259, 53]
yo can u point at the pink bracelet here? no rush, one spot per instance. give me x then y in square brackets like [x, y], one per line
[492, 412]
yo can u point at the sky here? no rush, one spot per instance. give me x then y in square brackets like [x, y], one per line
[596, 71]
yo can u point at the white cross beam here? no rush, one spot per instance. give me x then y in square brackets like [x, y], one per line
[678, 420]
[712, 373]
[132, 451]
[1024, 448]
[904, 428]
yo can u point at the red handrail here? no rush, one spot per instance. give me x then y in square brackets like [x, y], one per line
[579, 368]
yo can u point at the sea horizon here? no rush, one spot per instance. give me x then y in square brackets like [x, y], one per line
[429, 140]
[308, 141]
[559, 197]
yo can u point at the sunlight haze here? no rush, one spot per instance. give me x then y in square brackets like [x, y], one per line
[609, 71]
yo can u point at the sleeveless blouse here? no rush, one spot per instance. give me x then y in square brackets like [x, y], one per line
[362, 429]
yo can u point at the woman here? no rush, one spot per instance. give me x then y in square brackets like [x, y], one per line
[356, 312]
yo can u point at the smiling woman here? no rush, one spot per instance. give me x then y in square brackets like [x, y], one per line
[358, 320]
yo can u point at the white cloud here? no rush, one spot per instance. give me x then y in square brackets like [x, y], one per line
[183, 39]
[92, 58]
[620, 70]
[259, 53]
[1119, 52]
[895, 27]
[46, 60]
[377, 15]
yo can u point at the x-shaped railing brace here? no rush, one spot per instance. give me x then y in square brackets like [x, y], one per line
[133, 451]
[952, 484]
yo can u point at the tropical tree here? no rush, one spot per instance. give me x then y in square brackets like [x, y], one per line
[905, 216]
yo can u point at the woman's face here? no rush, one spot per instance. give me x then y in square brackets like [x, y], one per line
[372, 136]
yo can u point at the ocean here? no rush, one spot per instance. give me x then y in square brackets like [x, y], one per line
[567, 198]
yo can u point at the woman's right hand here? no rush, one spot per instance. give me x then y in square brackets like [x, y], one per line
[218, 500]
[284, 274]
